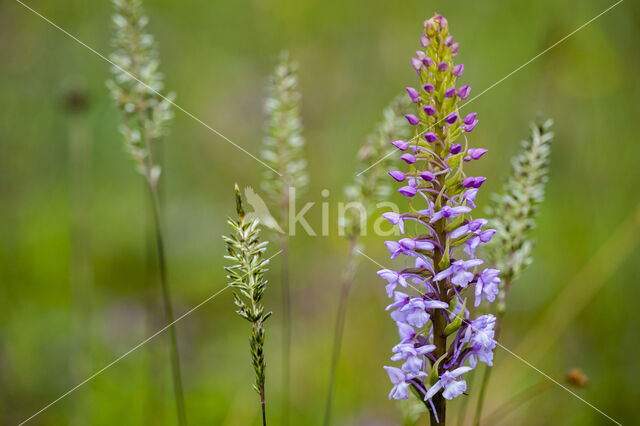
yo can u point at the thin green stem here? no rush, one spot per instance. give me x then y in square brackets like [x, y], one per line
[168, 309]
[347, 280]
[262, 404]
[80, 262]
[487, 372]
[481, 395]
[462, 416]
[438, 416]
[286, 327]
[517, 401]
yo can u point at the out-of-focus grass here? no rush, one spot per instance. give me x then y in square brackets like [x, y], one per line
[354, 59]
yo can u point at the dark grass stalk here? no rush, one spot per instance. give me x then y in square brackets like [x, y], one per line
[155, 381]
[154, 320]
[347, 281]
[81, 262]
[167, 306]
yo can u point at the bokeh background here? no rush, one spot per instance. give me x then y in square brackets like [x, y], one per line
[76, 273]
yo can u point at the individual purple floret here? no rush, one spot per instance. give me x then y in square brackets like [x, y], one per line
[413, 94]
[429, 110]
[439, 340]
[412, 119]
[464, 91]
[398, 175]
[401, 145]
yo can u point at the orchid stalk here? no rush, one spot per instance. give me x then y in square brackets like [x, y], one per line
[513, 213]
[145, 115]
[283, 151]
[246, 277]
[439, 340]
[369, 187]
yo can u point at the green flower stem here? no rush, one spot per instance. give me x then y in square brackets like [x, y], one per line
[168, 308]
[517, 400]
[81, 261]
[347, 281]
[286, 326]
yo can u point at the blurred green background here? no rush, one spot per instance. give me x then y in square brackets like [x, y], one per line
[75, 284]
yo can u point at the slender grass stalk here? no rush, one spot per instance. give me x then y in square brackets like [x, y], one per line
[286, 326]
[574, 377]
[464, 404]
[366, 191]
[347, 280]
[246, 275]
[145, 117]
[517, 401]
[167, 306]
[81, 262]
[513, 212]
[283, 151]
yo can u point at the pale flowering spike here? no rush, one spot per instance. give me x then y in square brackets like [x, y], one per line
[246, 278]
[283, 144]
[372, 185]
[440, 342]
[135, 85]
[514, 209]
[146, 114]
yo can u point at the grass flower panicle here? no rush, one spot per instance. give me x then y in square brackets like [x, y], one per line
[246, 277]
[136, 81]
[146, 114]
[283, 145]
[514, 209]
[362, 196]
[513, 213]
[439, 341]
[283, 151]
[372, 186]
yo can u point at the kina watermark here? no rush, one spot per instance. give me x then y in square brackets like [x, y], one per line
[342, 217]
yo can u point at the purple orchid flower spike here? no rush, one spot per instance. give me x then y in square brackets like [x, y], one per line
[439, 338]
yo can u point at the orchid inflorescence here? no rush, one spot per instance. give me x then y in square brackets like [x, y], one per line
[439, 341]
